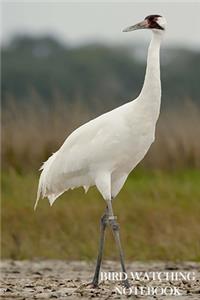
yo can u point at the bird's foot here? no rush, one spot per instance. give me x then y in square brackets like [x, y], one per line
[94, 285]
[89, 285]
[126, 284]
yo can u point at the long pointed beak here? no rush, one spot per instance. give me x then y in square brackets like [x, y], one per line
[142, 25]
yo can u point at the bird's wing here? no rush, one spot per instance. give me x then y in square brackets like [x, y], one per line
[82, 148]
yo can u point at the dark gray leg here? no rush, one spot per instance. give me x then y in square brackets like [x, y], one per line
[115, 228]
[103, 224]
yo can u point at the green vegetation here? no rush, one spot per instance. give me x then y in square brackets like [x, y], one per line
[158, 212]
[48, 90]
[158, 208]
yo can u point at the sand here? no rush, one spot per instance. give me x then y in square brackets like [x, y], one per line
[56, 279]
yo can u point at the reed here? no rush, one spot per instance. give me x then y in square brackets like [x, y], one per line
[33, 130]
[158, 208]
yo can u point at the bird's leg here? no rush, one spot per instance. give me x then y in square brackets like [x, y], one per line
[115, 228]
[103, 224]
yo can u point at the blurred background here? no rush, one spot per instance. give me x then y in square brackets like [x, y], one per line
[65, 63]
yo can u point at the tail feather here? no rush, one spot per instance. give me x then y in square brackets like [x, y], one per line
[38, 195]
[50, 185]
[52, 198]
[42, 185]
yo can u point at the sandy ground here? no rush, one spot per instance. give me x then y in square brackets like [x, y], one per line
[51, 279]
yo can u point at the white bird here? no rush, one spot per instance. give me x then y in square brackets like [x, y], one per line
[105, 150]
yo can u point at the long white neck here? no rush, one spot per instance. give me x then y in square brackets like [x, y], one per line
[151, 92]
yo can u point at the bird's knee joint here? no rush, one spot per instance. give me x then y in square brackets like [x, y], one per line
[104, 220]
[114, 225]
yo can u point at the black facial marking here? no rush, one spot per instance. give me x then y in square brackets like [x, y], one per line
[152, 17]
[152, 20]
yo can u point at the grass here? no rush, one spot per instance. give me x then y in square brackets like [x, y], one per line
[158, 212]
[32, 131]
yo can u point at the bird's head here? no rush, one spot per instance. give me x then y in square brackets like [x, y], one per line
[156, 23]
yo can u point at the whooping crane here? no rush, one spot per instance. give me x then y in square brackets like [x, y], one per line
[105, 150]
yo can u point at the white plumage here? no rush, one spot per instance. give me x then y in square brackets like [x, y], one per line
[105, 150]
